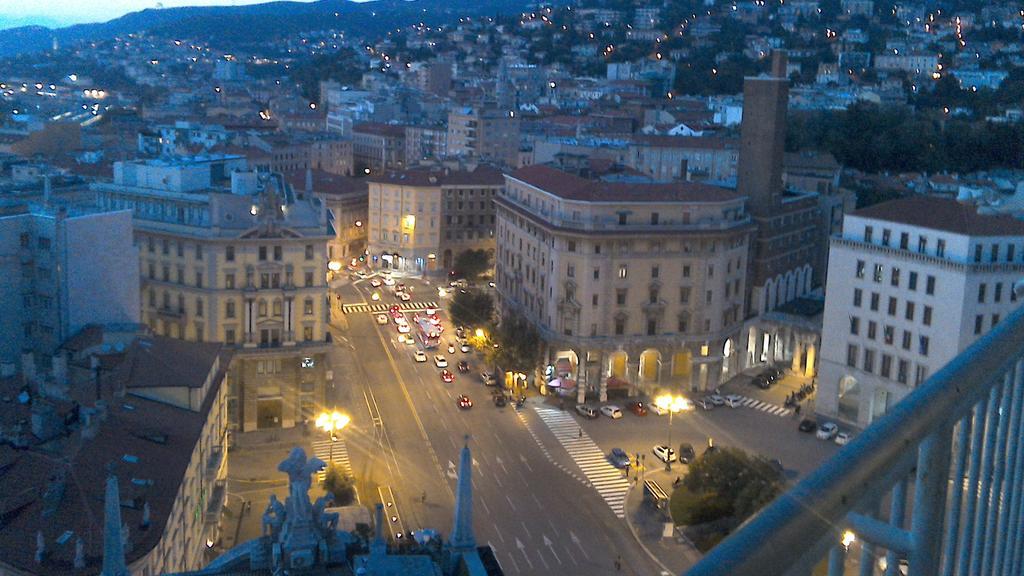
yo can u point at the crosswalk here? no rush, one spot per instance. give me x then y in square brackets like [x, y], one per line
[773, 409]
[605, 478]
[326, 449]
[383, 307]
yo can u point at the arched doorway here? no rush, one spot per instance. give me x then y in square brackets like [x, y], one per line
[682, 364]
[729, 357]
[617, 364]
[650, 365]
[849, 398]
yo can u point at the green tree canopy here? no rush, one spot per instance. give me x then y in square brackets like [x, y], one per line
[472, 308]
[471, 264]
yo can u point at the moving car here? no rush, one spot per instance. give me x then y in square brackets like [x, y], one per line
[395, 311]
[827, 431]
[399, 319]
[463, 367]
[638, 408]
[586, 411]
[460, 332]
[612, 411]
[440, 361]
[446, 376]
[375, 282]
[451, 348]
[842, 438]
[404, 296]
[403, 328]
[717, 400]
[808, 425]
[618, 458]
[686, 453]
[489, 379]
[389, 281]
[733, 400]
[499, 400]
[664, 453]
[464, 348]
[382, 319]
[419, 356]
[464, 402]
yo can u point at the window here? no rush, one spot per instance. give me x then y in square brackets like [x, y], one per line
[165, 247]
[622, 218]
[886, 368]
[229, 253]
[682, 325]
[922, 244]
[199, 307]
[150, 241]
[308, 278]
[981, 293]
[920, 373]
[652, 296]
[904, 240]
[868, 233]
[652, 327]
[571, 271]
[684, 295]
[277, 253]
[908, 312]
[229, 309]
[926, 318]
[263, 253]
[869, 360]
[620, 326]
[892, 306]
[998, 295]
[872, 330]
[654, 217]
[922, 345]
[622, 271]
[277, 307]
[597, 248]
[940, 248]
[901, 371]
[180, 248]
[199, 251]
[851, 355]
[878, 273]
[597, 273]
[571, 246]
[620, 297]
[994, 253]
[229, 336]
[858, 295]
[874, 301]
[1010, 248]
[894, 277]
[860, 268]
[929, 286]
[309, 251]
[166, 273]
[977, 252]
[686, 271]
[307, 306]
[889, 334]
[906, 340]
[886, 236]
[265, 280]
[593, 300]
[995, 320]
[708, 296]
[199, 279]
[229, 281]
[912, 281]
[854, 325]
[655, 270]
[979, 323]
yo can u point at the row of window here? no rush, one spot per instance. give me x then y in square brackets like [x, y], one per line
[887, 334]
[230, 310]
[994, 253]
[267, 337]
[42, 242]
[888, 366]
[895, 277]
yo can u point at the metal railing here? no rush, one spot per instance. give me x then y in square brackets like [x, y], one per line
[936, 485]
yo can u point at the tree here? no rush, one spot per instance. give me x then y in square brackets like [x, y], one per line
[471, 264]
[340, 485]
[740, 484]
[472, 308]
[518, 345]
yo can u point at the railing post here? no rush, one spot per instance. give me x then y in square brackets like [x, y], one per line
[867, 559]
[836, 556]
[1012, 555]
[897, 512]
[956, 498]
[1007, 539]
[982, 496]
[993, 538]
[977, 434]
[930, 502]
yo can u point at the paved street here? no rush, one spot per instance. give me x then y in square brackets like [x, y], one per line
[546, 498]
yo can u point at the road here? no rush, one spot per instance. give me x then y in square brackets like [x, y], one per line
[538, 510]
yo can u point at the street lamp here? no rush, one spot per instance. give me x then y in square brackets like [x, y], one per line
[672, 403]
[332, 422]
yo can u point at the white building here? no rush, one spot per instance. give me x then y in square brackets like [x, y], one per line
[911, 283]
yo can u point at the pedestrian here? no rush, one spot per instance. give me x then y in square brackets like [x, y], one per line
[618, 564]
[798, 409]
[581, 432]
[423, 498]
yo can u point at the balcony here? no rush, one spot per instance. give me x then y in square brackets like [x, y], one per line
[937, 482]
[170, 312]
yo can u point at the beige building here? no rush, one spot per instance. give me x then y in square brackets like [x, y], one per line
[485, 134]
[377, 147]
[420, 220]
[630, 284]
[685, 157]
[243, 264]
[346, 201]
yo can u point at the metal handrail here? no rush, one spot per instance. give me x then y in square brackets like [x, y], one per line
[813, 512]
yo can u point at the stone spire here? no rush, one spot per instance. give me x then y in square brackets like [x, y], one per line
[462, 539]
[113, 545]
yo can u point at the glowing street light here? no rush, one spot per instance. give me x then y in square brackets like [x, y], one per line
[332, 423]
[671, 403]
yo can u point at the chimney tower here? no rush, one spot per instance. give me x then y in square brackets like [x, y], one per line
[763, 137]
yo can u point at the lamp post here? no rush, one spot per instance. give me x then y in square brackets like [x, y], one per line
[672, 403]
[332, 422]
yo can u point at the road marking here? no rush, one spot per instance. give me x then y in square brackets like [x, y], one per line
[541, 556]
[510, 502]
[525, 463]
[575, 540]
[600, 474]
[522, 548]
[378, 307]
[551, 547]
[324, 449]
[571, 557]
[499, 533]
[773, 409]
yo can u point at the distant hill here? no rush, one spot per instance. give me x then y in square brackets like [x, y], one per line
[241, 23]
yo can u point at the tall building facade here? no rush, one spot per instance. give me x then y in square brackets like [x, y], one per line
[484, 134]
[631, 284]
[911, 283]
[237, 257]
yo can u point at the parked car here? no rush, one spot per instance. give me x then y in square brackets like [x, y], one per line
[638, 408]
[762, 381]
[842, 438]
[463, 367]
[703, 403]
[375, 282]
[717, 400]
[618, 458]
[612, 411]
[382, 319]
[733, 400]
[656, 410]
[446, 376]
[686, 453]
[499, 400]
[464, 348]
[586, 411]
[827, 431]
[808, 425]
[419, 356]
[404, 296]
[464, 402]
[489, 379]
[664, 453]
[440, 361]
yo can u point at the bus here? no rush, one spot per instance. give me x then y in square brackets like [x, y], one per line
[428, 333]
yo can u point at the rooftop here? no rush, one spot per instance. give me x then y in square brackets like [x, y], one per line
[572, 187]
[479, 176]
[944, 214]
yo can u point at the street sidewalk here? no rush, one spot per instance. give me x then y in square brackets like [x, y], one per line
[674, 554]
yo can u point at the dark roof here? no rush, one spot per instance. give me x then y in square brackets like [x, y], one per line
[810, 160]
[380, 129]
[705, 142]
[944, 214]
[572, 187]
[480, 176]
[327, 183]
[159, 362]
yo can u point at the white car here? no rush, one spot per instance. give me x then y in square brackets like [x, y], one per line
[382, 319]
[404, 296]
[389, 281]
[717, 400]
[419, 356]
[612, 411]
[664, 453]
[843, 438]
[733, 400]
[653, 408]
[440, 361]
[375, 282]
[827, 431]
[403, 328]
[464, 348]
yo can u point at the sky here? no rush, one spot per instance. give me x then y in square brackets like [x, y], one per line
[56, 13]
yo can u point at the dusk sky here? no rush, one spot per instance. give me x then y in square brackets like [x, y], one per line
[66, 12]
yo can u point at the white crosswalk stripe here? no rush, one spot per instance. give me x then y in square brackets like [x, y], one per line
[383, 307]
[773, 409]
[326, 449]
[605, 478]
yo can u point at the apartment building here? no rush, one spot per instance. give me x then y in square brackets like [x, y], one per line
[911, 283]
[484, 134]
[377, 147]
[631, 283]
[421, 219]
[237, 257]
[685, 157]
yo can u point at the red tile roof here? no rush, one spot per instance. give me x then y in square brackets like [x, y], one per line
[945, 214]
[389, 130]
[481, 176]
[572, 187]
